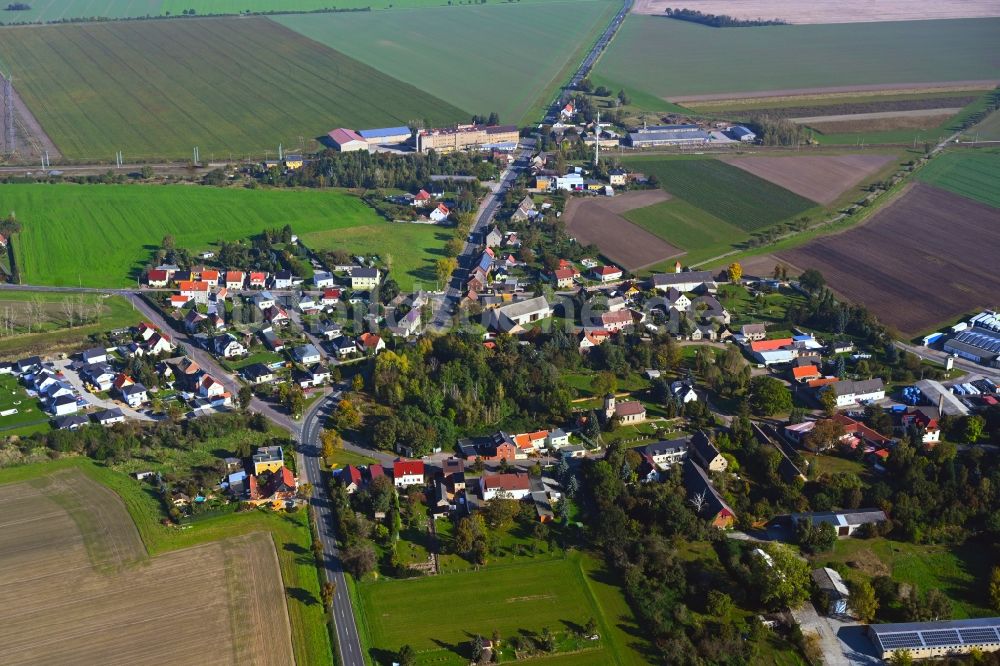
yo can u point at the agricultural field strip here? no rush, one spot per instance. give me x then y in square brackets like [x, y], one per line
[849, 101]
[922, 274]
[820, 178]
[710, 62]
[876, 115]
[88, 634]
[831, 11]
[973, 175]
[197, 102]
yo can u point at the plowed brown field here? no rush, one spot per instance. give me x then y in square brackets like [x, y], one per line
[598, 220]
[78, 593]
[928, 257]
[821, 178]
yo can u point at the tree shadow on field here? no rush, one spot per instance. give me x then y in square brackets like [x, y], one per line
[573, 627]
[301, 595]
[382, 657]
[457, 649]
[295, 548]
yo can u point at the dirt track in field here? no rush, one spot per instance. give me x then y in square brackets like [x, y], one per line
[930, 256]
[831, 11]
[220, 603]
[598, 220]
[820, 178]
[876, 115]
[936, 86]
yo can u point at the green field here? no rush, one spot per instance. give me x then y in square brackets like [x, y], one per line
[29, 410]
[732, 195]
[51, 328]
[104, 235]
[682, 224]
[961, 572]
[514, 599]
[228, 86]
[668, 58]
[410, 249]
[506, 58]
[989, 129]
[57, 10]
[291, 534]
[972, 174]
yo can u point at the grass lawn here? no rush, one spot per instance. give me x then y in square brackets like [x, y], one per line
[972, 174]
[342, 458]
[230, 86]
[558, 594]
[29, 410]
[826, 464]
[291, 534]
[704, 60]
[961, 572]
[988, 129]
[508, 58]
[688, 227]
[411, 249]
[581, 381]
[732, 195]
[264, 356]
[53, 333]
[125, 224]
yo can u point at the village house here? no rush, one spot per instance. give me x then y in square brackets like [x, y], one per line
[258, 373]
[194, 290]
[271, 340]
[515, 485]
[705, 453]
[606, 273]
[283, 280]
[235, 279]
[683, 392]
[667, 453]
[406, 473]
[267, 459]
[363, 277]
[344, 346]
[278, 489]
[684, 281]
[513, 317]
[753, 332]
[108, 417]
[371, 343]
[134, 395]
[845, 523]
[612, 322]
[851, 392]
[227, 346]
[306, 354]
[708, 503]
[350, 477]
[323, 279]
[157, 278]
[98, 375]
[439, 214]
[210, 387]
[564, 277]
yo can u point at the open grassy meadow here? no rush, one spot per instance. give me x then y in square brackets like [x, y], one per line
[972, 174]
[517, 599]
[508, 58]
[410, 249]
[209, 575]
[51, 322]
[732, 195]
[104, 235]
[676, 59]
[229, 86]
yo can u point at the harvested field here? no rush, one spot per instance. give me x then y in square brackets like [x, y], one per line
[926, 258]
[762, 265]
[599, 221]
[884, 124]
[68, 553]
[867, 89]
[820, 178]
[850, 103]
[832, 11]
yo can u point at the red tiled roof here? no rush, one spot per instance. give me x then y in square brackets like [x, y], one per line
[332, 294]
[607, 270]
[805, 371]
[193, 285]
[369, 339]
[157, 275]
[507, 482]
[234, 276]
[422, 195]
[769, 345]
[619, 317]
[402, 467]
[209, 275]
[258, 276]
[375, 471]
[564, 273]
[822, 381]
[351, 474]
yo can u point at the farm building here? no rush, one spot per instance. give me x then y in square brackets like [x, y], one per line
[684, 281]
[667, 135]
[936, 639]
[936, 394]
[977, 344]
[384, 136]
[468, 137]
[845, 523]
[511, 317]
[850, 392]
[832, 587]
[347, 140]
[740, 133]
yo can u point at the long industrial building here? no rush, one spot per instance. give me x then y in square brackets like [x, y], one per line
[924, 640]
[468, 137]
[977, 344]
[667, 135]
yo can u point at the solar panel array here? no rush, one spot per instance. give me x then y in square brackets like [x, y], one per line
[931, 638]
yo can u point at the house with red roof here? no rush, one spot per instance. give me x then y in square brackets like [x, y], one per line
[258, 279]
[195, 290]
[371, 343]
[805, 373]
[564, 277]
[330, 297]
[350, 478]
[591, 339]
[515, 485]
[235, 279]
[421, 198]
[606, 273]
[273, 487]
[406, 473]
[924, 418]
[440, 213]
[157, 278]
[178, 301]
[211, 277]
[210, 387]
[770, 345]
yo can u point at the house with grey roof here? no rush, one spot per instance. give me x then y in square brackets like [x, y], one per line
[512, 318]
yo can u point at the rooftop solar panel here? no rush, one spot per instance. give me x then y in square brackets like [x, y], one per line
[940, 637]
[901, 640]
[979, 635]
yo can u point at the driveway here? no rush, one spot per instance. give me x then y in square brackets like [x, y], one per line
[843, 641]
[73, 379]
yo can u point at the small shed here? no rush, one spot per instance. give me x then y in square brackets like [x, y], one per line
[832, 588]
